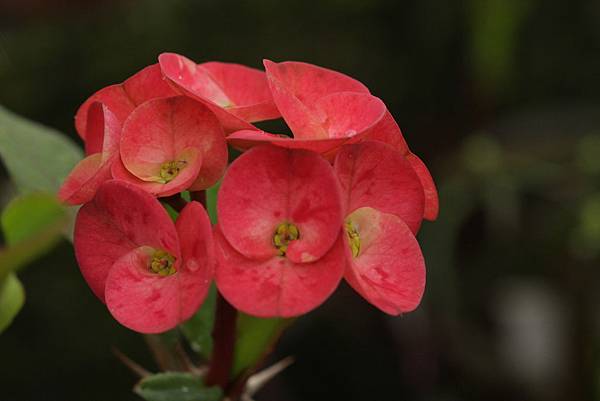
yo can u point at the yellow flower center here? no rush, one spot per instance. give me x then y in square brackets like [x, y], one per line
[163, 263]
[353, 237]
[284, 234]
[170, 170]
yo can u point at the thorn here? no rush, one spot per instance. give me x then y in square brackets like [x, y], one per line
[133, 366]
[187, 362]
[258, 380]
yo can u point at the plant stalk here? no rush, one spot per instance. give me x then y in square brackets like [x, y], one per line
[224, 336]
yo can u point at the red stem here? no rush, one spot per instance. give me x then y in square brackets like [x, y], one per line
[224, 335]
[219, 370]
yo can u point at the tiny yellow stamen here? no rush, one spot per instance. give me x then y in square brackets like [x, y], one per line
[353, 237]
[170, 170]
[284, 234]
[163, 263]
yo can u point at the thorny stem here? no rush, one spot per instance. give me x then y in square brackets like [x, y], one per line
[223, 344]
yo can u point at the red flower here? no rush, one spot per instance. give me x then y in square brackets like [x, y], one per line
[323, 108]
[169, 145]
[383, 205]
[152, 274]
[238, 95]
[278, 241]
[98, 121]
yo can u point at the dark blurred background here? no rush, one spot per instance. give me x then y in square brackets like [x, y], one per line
[501, 98]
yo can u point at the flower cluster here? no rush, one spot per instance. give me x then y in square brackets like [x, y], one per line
[342, 198]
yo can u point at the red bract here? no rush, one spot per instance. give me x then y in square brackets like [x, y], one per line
[383, 204]
[152, 274]
[103, 131]
[237, 94]
[171, 144]
[122, 99]
[278, 241]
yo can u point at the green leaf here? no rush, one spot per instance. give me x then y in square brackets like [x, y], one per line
[32, 224]
[198, 328]
[255, 337]
[12, 297]
[37, 158]
[211, 202]
[173, 386]
[173, 214]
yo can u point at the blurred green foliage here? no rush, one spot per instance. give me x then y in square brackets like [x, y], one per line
[37, 158]
[12, 297]
[32, 225]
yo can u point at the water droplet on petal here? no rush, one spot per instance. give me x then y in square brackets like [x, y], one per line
[192, 265]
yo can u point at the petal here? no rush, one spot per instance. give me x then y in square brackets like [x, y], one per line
[141, 300]
[432, 203]
[333, 113]
[213, 149]
[388, 132]
[196, 82]
[182, 182]
[276, 286]
[247, 88]
[373, 174]
[103, 131]
[119, 219]
[389, 271]
[148, 84]
[304, 122]
[308, 82]
[247, 139]
[197, 253]
[83, 181]
[267, 186]
[193, 78]
[114, 97]
[350, 114]
[121, 99]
